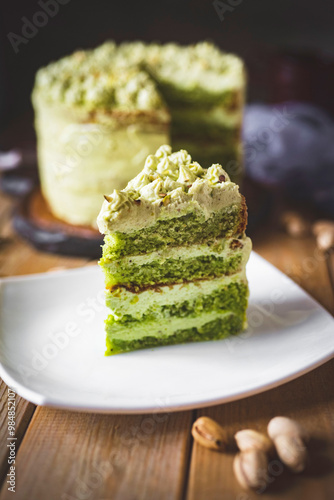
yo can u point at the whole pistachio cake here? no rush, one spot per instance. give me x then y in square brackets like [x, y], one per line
[100, 112]
[174, 255]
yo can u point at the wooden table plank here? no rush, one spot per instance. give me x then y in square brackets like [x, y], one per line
[330, 267]
[24, 412]
[18, 257]
[68, 455]
[86, 455]
[300, 260]
[309, 399]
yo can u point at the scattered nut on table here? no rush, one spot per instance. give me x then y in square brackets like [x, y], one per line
[248, 439]
[290, 442]
[287, 438]
[323, 231]
[251, 469]
[209, 433]
[295, 225]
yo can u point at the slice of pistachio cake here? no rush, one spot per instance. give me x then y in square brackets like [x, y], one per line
[174, 255]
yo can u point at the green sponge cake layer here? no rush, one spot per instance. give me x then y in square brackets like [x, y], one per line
[164, 301]
[178, 264]
[228, 133]
[230, 297]
[122, 337]
[186, 229]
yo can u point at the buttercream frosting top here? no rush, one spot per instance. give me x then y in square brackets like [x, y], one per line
[125, 76]
[170, 185]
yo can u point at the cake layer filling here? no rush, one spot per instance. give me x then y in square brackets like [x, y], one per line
[221, 134]
[216, 122]
[160, 301]
[207, 145]
[175, 94]
[187, 229]
[230, 297]
[178, 264]
[212, 326]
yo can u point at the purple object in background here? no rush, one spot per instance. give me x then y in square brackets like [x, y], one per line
[290, 147]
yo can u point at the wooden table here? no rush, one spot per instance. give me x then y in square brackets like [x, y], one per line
[65, 455]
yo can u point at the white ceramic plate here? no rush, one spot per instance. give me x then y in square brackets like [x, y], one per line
[52, 347]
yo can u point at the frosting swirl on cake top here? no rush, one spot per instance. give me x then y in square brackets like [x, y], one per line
[170, 185]
[130, 76]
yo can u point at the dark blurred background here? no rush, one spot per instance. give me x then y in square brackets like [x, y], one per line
[288, 126]
[288, 45]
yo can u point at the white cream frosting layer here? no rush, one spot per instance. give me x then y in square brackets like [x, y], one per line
[170, 185]
[112, 76]
[78, 162]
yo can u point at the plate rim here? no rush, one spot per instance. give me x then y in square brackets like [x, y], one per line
[39, 399]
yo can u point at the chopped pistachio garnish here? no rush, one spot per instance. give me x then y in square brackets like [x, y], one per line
[169, 185]
[167, 173]
[125, 76]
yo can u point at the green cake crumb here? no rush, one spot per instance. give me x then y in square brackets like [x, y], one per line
[217, 329]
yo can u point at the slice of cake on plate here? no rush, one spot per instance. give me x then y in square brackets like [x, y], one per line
[174, 255]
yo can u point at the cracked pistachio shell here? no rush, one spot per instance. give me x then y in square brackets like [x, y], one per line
[209, 433]
[247, 439]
